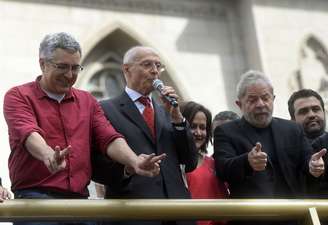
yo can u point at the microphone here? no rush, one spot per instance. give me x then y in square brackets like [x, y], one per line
[158, 85]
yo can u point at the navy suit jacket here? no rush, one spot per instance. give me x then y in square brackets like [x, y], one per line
[317, 188]
[233, 141]
[177, 144]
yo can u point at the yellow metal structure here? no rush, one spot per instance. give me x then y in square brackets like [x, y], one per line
[158, 209]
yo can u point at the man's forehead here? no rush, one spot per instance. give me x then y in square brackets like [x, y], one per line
[258, 90]
[60, 52]
[306, 102]
[146, 54]
[150, 58]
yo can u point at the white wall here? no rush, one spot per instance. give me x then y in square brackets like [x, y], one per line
[282, 26]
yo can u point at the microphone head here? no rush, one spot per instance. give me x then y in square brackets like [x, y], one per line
[157, 83]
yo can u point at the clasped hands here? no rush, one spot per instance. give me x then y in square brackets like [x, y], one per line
[258, 160]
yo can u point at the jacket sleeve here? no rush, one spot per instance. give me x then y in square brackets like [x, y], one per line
[187, 152]
[101, 165]
[314, 185]
[230, 166]
[105, 170]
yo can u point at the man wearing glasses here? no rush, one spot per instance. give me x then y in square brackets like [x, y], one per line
[148, 128]
[52, 127]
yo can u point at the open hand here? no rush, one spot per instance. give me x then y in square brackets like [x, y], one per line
[147, 165]
[56, 161]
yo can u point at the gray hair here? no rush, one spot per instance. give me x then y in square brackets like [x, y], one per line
[226, 115]
[249, 78]
[58, 40]
[132, 54]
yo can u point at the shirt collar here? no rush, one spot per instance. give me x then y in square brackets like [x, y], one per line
[41, 94]
[134, 95]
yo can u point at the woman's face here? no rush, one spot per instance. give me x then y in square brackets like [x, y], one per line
[198, 129]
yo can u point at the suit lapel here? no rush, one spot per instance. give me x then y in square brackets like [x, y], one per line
[159, 120]
[276, 133]
[252, 136]
[281, 154]
[249, 131]
[129, 109]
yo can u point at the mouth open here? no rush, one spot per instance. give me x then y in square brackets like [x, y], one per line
[312, 123]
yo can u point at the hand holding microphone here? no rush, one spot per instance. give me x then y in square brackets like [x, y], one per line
[159, 86]
[170, 98]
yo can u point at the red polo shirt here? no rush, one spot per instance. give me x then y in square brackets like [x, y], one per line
[77, 120]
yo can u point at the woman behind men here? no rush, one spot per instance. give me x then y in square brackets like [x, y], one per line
[202, 182]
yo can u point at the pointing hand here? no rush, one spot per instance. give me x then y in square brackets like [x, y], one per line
[257, 159]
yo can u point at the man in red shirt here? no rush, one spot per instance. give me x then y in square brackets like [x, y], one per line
[53, 127]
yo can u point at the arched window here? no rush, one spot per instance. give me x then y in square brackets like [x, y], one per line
[102, 75]
[106, 79]
[312, 71]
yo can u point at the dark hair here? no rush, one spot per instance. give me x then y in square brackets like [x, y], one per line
[303, 93]
[189, 110]
[226, 115]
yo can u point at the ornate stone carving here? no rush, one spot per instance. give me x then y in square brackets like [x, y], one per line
[191, 8]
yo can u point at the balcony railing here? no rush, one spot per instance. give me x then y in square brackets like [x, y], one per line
[158, 209]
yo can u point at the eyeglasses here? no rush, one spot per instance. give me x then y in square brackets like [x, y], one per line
[149, 65]
[64, 68]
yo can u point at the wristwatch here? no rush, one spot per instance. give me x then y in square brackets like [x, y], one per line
[181, 125]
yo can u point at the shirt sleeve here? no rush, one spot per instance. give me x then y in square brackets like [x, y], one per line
[103, 131]
[20, 117]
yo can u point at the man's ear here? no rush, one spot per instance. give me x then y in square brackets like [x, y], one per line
[238, 103]
[125, 69]
[42, 64]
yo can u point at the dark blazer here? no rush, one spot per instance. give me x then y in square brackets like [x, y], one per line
[177, 144]
[320, 189]
[233, 141]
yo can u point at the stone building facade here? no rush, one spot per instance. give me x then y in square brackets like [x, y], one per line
[205, 44]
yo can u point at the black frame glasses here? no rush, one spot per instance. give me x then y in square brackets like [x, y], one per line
[149, 65]
[64, 68]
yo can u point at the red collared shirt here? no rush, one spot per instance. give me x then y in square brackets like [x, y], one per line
[77, 120]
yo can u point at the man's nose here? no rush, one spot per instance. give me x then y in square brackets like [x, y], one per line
[69, 73]
[154, 68]
[311, 114]
[260, 102]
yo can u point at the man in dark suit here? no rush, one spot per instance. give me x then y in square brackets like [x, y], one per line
[306, 107]
[261, 156]
[148, 128]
